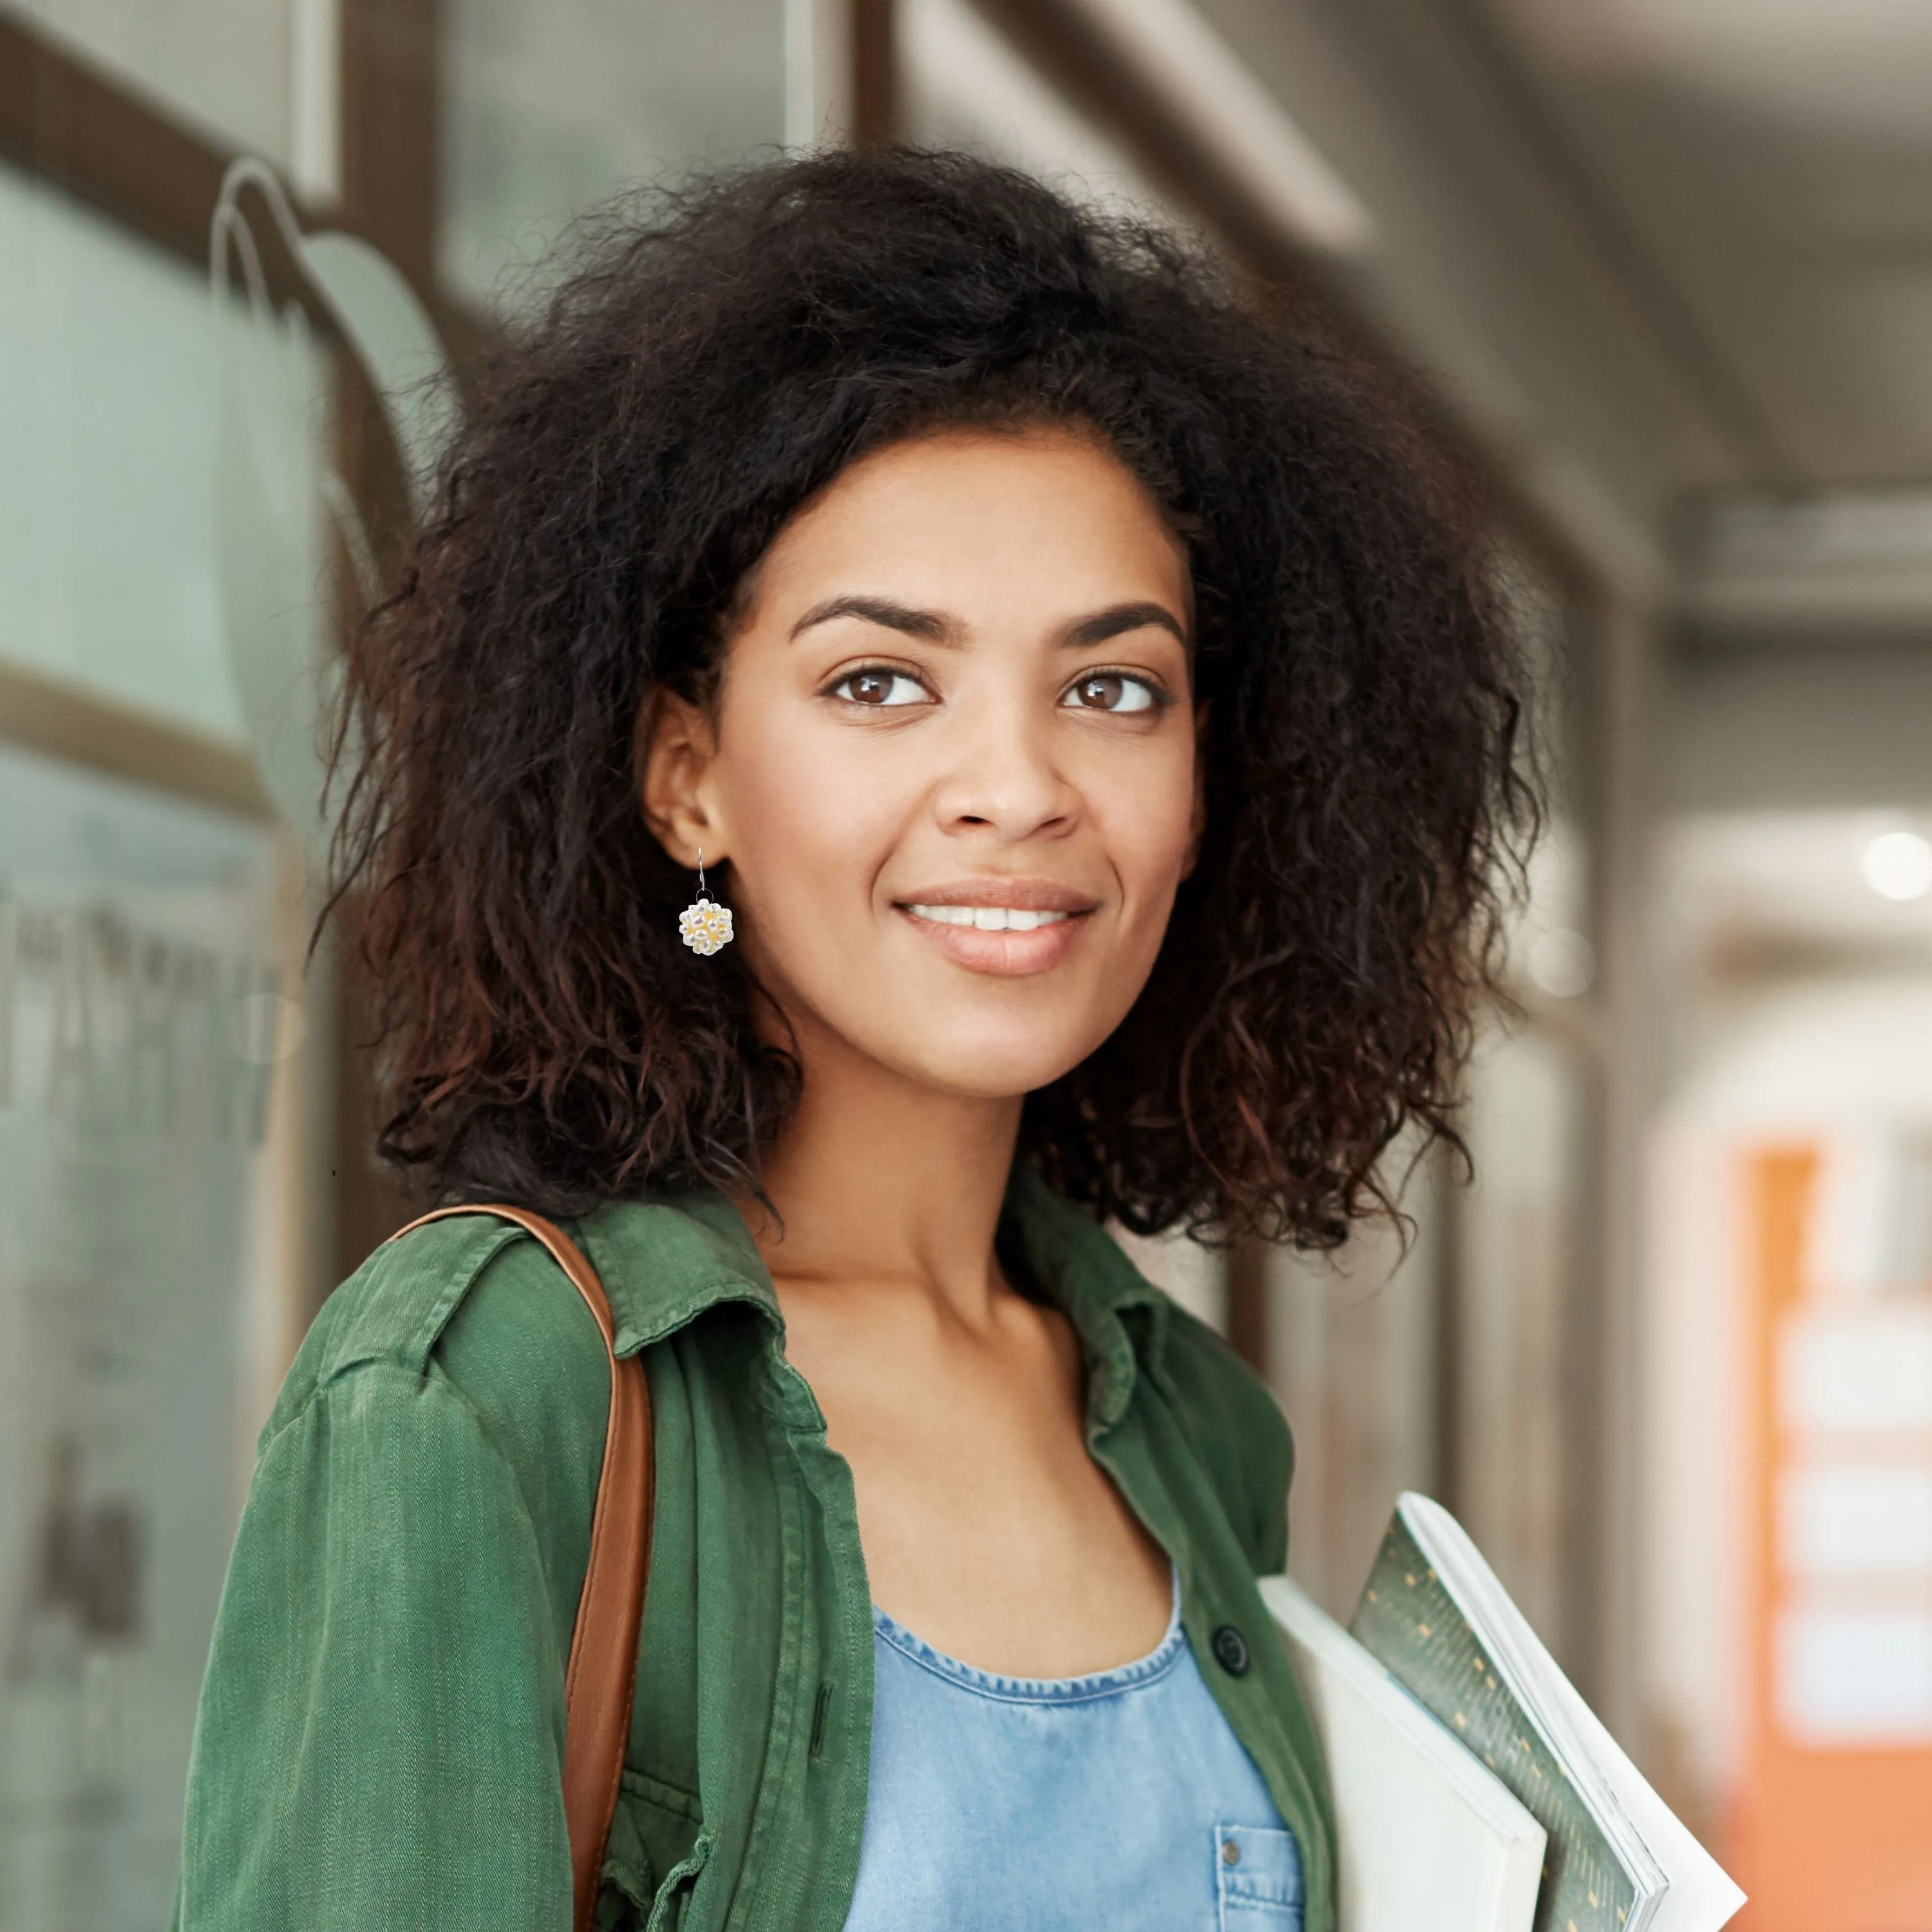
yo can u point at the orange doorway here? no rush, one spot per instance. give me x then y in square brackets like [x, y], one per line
[1831, 1829]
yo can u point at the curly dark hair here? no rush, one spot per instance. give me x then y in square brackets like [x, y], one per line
[717, 359]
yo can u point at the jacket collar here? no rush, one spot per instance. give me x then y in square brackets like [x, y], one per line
[1079, 1266]
[665, 1262]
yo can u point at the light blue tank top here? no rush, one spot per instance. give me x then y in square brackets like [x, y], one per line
[1058, 1804]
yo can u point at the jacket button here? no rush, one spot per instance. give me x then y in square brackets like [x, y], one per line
[1231, 1651]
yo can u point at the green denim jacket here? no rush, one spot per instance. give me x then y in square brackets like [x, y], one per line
[381, 1733]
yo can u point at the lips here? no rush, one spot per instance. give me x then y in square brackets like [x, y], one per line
[1011, 928]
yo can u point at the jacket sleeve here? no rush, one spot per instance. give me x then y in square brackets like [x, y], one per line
[381, 1731]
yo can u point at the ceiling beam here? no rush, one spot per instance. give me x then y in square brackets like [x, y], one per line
[1851, 565]
[1674, 323]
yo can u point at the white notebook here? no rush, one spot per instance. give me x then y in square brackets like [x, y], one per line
[1425, 1836]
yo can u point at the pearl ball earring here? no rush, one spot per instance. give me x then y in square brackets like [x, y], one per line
[704, 925]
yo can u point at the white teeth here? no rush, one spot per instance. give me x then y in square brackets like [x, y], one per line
[988, 918]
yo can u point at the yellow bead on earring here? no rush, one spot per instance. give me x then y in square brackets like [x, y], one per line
[704, 925]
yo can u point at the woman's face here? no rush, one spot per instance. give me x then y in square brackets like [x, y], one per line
[953, 762]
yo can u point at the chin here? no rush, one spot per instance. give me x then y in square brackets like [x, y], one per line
[977, 1068]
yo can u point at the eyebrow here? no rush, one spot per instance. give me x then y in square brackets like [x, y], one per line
[1114, 621]
[882, 611]
[1119, 618]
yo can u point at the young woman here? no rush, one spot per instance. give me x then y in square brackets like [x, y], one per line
[1089, 704]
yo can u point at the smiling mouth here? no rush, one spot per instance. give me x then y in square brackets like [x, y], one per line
[975, 924]
[989, 919]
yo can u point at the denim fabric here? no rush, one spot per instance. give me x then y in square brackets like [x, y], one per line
[1029, 1804]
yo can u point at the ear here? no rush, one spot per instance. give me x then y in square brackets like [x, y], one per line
[676, 746]
[1197, 829]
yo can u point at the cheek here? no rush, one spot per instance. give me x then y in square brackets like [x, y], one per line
[808, 826]
[1149, 825]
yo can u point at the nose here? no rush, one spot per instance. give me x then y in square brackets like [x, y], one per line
[1003, 777]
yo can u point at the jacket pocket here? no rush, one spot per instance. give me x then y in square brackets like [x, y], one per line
[668, 1910]
[655, 1832]
[1257, 1879]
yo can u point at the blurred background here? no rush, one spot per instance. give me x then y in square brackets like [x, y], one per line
[1660, 269]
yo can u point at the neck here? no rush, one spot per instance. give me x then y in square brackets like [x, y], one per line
[878, 1178]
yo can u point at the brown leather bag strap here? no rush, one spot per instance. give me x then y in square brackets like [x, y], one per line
[602, 1674]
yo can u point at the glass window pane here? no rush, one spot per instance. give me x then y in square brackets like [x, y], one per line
[227, 64]
[139, 1018]
[109, 408]
[106, 492]
[548, 111]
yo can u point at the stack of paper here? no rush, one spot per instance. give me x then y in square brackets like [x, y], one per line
[1535, 1821]
[1424, 1835]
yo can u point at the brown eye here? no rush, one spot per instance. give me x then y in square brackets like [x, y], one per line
[879, 688]
[1110, 691]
